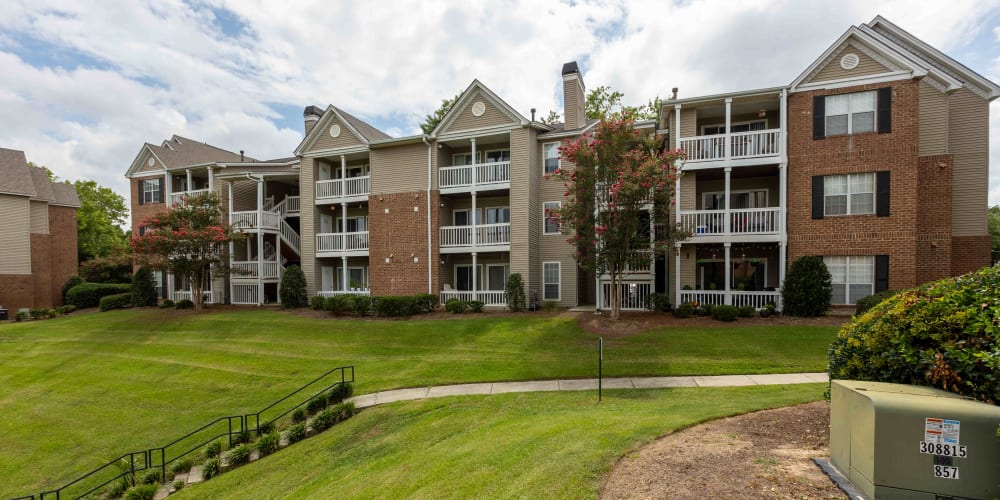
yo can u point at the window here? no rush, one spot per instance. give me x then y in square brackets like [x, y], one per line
[142, 230]
[551, 221]
[464, 217]
[850, 113]
[463, 277]
[853, 277]
[497, 155]
[740, 199]
[550, 155]
[461, 159]
[496, 276]
[498, 215]
[849, 194]
[737, 127]
[354, 224]
[151, 191]
[550, 280]
[357, 278]
[158, 282]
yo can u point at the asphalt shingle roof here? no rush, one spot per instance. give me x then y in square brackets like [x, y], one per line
[15, 178]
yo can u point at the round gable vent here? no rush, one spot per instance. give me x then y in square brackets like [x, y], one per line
[849, 61]
[151, 161]
[334, 130]
[478, 108]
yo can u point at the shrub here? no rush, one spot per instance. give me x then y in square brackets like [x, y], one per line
[239, 455]
[39, 313]
[184, 304]
[427, 301]
[361, 304]
[725, 313]
[115, 269]
[268, 443]
[324, 420]
[456, 306]
[550, 305]
[143, 288]
[117, 301]
[866, 303]
[515, 293]
[768, 310]
[242, 437]
[397, 306]
[337, 304]
[181, 466]
[293, 288]
[141, 492]
[341, 392]
[151, 477]
[70, 283]
[211, 468]
[685, 310]
[705, 309]
[265, 428]
[658, 302]
[66, 309]
[940, 334]
[745, 311]
[20, 316]
[317, 303]
[299, 415]
[296, 433]
[178, 485]
[476, 306]
[213, 449]
[166, 304]
[317, 403]
[807, 288]
[344, 411]
[90, 294]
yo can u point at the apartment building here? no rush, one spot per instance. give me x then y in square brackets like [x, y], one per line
[38, 251]
[875, 157]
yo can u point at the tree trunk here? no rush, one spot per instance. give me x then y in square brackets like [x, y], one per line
[616, 303]
[197, 280]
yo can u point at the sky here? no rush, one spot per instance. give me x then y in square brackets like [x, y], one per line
[84, 84]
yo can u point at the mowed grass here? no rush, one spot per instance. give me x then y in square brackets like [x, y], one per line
[536, 445]
[76, 390]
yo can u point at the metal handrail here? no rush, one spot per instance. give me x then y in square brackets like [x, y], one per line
[147, 456]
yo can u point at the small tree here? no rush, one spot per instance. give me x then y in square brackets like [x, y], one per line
[187, 240]
[807, 288]
[293, 288]
[432, 120]
[515, 293]
[143, 288]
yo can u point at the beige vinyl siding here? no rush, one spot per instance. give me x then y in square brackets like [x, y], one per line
[244, 195]
[308, 221]
[689, 267]
[689, 194]
[144, 164]
[482, 260]
[689, 123]
[933, 128]
[968, 142]
[735, 184]
[553, 247]
[15, 247]
[39, 217]
[452, 204]
[324, 141]
[772, 119]
[465, 120]
[400, 169]
[833, 71]
[574, 103]
[523, 201]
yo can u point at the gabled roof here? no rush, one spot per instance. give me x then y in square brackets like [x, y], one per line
[65, 195]
[43, 186]
[356, 126]
[179, 152]
[466, 99]
[15, 178]
[559, 130]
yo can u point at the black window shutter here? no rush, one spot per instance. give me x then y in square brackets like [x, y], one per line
[819, 117]
[884, 106]
[142, 191]
[817, 197]
[881, 273]
[882, 193]
[159, 192]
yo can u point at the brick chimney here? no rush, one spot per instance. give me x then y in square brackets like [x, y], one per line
[574, 97]
[310, 116]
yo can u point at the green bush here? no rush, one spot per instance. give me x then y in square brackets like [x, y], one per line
[768, 310]
[340, 392]
[184, 304]
[705, 309]
[807, 288]
[866, 303]
[70, 283]
[66, 309]
[90, 294]
[397, 305]
[361, 304]
[211, 468]
[178, 485]
[213, 449]
[268, 443]
[115, 269]
[293, 288]
[324, 420]
[658, 302]
[746, 311]
[344, 411]
[476, 306]
[166, 304]
[515, 293]
[456, 306]
[181, 466]
[39, 313]
[241, 437]
[151, 477]
[725, 313]
[685, 310]
[299, 415]
[143, 288]
[317, 303]
[117, 301]
[337, 304]
[265, 428]
[20, 316]
[942, 334]
[296, 433]
[239, 455]
[141, 492]
[550, 305]
[427, 301]
[317, 403]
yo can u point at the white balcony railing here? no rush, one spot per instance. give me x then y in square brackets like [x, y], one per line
[742, 221]
[177, 197]
[248, 269]
[753, 144]
[486, 235]
[343, 188]
[485, 175]
[244, 294]
[210, 296]
[488, 297]
[357, 291]
[248, 220]
[713, 297]
[737, 298]
[342, 242]
[632, 296]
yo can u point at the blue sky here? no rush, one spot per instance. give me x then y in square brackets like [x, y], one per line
[85, 86]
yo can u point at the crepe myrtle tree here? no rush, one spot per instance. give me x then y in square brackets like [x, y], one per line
[187, 240]
[618, 173]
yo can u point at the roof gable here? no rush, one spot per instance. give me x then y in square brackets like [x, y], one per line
[466, 115]
[179, 152]
[350, 131]
[876, 61]
[15, 178]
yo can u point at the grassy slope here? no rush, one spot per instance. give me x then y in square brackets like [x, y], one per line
[76, 389]
[554, 445]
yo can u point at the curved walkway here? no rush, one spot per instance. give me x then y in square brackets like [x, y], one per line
[587, 384]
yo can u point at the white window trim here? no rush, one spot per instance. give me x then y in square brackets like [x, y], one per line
[558, 283]
[848, 194]
[558, 157]
[486, 213]
[850, 115]
[151, 191]
[486, 153]
[745, 122]
[706, 194]
[847, 278]
[544, 218]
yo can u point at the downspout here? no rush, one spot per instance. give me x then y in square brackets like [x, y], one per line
[430, 269]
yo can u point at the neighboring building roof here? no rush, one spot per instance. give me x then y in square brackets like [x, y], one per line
[183, 152]
[559, 129]
[15, 178]
[464, 100]
[358, 127]
[65, 195]
[369, 132]
[43, 186]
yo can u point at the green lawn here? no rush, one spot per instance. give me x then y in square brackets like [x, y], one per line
[75, 390]
[554, 445]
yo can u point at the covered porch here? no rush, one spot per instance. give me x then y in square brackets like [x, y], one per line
[476, 276]
[737, 274]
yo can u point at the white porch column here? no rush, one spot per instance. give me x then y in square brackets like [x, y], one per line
[232, 247]
[729, 132]
[260, 242]
[345, 282]
[782, 263]
[168, 186]
[475, 276]
[728, 214]
[187, 172]
[211, 181]
[677, 274]
[343, 222]
[729, 272]
[676, 132]
[783, 114]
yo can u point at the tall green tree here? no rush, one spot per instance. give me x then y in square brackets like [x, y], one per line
[603, 102]
[994, 221]
[432, 120]
[99, 221]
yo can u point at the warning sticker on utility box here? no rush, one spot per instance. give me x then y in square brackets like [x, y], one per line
[942, 431]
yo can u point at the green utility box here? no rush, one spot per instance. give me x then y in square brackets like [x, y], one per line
[896, 441]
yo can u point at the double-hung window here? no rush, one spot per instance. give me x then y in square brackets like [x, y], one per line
[152, 191]
[849, 194]
[550, 280]
[497, 215]
[853, 277]
[550, 155]
[551, 220]
[850, 113]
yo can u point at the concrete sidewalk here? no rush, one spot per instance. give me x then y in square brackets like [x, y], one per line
[587, 384]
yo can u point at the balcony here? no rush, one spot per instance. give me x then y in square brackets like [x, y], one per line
[737, 298]
[248, 269]
[177, 197]
[248, 220]
[744, 147]
[347, 190]
[710, 225]
[488, 238]
[488, 297]
[482, 176]
[353, 244]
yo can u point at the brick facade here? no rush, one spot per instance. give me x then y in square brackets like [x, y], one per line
[398, 233]
[969, 253]
[17, 292]
[53, 261]
[64, 262]
[140, 212]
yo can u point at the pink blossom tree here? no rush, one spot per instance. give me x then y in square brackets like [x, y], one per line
[617, 174]
[187, 240]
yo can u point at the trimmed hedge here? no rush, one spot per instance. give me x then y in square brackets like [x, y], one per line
[942, 334]
[117, 301]
[808, 288]
[143, 288]
[293, 288]
[725, 313]
[90, 294]
[398, 305]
